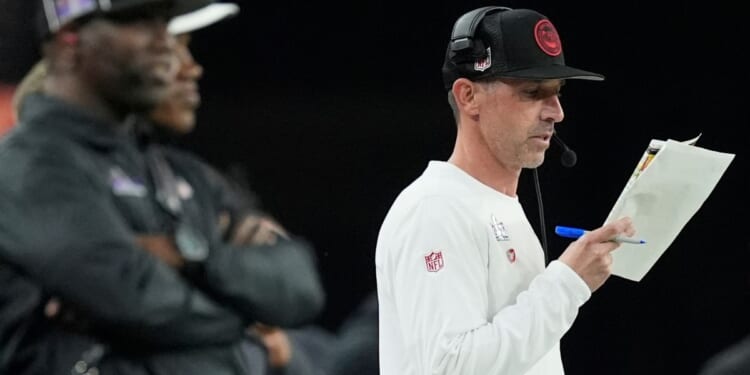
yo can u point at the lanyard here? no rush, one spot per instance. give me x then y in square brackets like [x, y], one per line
[192, 244]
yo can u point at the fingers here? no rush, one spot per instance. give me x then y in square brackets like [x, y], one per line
[246, 230]
[279, 348]
[607, 233]
[52, 308]
[591, 255]
[267, 335]
[275, 227]
[265, 235]
[258, 230]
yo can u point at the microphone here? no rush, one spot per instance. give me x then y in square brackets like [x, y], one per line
[568, 157]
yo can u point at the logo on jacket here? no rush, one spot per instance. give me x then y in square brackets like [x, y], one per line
[499, 229]
[123, 185]
[511, 255]
[434, 261]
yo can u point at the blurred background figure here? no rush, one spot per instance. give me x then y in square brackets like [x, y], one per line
[15, 54]
[132, 275]
[308, 350]
[733, 360]
[6, 113]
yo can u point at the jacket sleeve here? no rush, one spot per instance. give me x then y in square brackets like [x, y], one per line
[274, 284]
[60, 227]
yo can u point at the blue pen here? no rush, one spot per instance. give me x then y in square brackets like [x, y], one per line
[577, 232]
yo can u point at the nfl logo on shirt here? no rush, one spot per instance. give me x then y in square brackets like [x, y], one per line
[434, 261]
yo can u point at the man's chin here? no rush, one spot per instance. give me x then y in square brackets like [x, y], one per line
[184, 127]
[145, 100]
[534, 162]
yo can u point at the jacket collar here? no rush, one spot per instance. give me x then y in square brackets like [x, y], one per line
[56, 116]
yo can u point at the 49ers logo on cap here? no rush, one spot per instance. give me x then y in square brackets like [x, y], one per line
[434, 261]
[547, 38]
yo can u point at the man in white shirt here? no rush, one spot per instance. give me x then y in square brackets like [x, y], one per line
[461, 276]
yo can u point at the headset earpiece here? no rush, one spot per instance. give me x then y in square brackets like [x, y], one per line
[462, 38]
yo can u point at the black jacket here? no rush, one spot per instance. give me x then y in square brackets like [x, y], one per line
[74, 193]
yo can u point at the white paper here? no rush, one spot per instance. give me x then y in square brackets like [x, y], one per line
[662, 198]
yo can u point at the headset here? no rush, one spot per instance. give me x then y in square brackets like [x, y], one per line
[462, 41]
[462, 38]
[568, 159]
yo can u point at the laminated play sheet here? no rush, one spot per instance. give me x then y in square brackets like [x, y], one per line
[670, 183]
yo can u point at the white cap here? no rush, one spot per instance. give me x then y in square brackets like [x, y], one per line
[202, 17]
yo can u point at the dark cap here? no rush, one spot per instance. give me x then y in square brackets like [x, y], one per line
[502, 42]
[58, 13]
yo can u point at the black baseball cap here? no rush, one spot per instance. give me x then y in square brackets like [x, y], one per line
[502, 42]
[55, 14]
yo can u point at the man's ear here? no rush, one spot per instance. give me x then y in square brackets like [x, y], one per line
[465, 94]
[68, 37]
[63, 49]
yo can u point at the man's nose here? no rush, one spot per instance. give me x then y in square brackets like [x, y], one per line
[553, 110]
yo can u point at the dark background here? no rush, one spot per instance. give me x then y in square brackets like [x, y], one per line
[331, 109]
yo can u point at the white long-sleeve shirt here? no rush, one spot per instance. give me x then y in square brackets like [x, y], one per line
[462, 286]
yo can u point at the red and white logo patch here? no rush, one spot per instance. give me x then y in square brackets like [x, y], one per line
[511, 255]
[483, 63]
[434, 261]
[547, 38]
